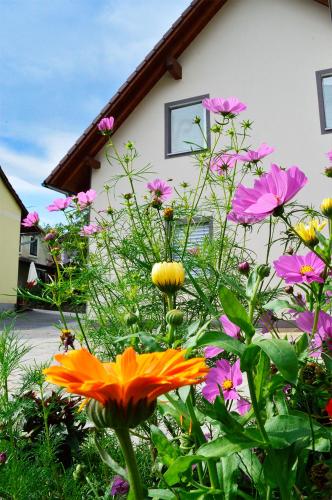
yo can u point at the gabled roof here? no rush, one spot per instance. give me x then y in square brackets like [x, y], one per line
[73, 173]
[12, 191]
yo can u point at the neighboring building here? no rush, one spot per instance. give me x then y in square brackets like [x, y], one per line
[274, 55]
[33, 249]
[12, 211]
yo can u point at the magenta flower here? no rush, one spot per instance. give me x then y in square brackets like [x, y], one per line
[31, 220]
[323, 334]
[270, 191]
[224, 377]
[160, 190]
[243, 406]
[229, 107]
[59, 204]
[300, 268]
[119, 486]
[241, 218]
[105, 126]
[85, 199]
[221, 163]
[329, 155]
[3, 457]
[90, 230]
[51, 235]
[230, 329]
[254, 156]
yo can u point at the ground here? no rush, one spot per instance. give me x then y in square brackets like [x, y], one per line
[38, 329]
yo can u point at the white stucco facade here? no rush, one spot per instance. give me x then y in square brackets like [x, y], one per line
[266, 53]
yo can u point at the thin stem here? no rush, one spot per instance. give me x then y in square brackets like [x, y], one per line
[82, 330]
[135, 482]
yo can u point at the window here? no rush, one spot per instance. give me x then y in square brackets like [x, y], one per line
[33, 246]
[200, 229]
[324, 88]
[182, 135]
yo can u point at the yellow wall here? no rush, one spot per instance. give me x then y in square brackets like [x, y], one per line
[10, 220]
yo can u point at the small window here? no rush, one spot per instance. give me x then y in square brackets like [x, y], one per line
[324, 88]
[200, 229]
[182, 135]
[33, 246]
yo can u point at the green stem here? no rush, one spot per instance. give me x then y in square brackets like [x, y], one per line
[201, 440]
[134, 477]
[82, 331]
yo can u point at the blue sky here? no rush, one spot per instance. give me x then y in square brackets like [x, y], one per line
[60, 62]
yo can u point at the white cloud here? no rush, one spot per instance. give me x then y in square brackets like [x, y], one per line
[25, 187]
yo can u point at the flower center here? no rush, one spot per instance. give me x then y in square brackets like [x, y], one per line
[227, 384]
[306, 269]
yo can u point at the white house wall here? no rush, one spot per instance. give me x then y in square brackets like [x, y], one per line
[265, 52]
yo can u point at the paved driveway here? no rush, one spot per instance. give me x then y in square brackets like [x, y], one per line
[38, 329]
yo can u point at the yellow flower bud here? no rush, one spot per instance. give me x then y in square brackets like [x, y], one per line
[308, 231]
[168, 276]
[326, 207]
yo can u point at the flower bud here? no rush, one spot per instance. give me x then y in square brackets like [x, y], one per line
[168, 213]
[328, 171]
[119, 486]
[110, 210]
[289, 250]
[174, 317]
[168, 276]
[326, 207]
[128, 196]
[289, 289]
[51, 235]
[197, 120]
[78, 472]
[130, 319]
[156, 202]
[3, 457]
[263, 270]
[244, 268]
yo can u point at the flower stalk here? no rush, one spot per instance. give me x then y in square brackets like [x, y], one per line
[136, 487]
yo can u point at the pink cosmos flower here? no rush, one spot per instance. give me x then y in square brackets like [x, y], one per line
[253, 156]
[323, 334]
[241, 218]
[160, 190]
[105, 126]
[59, 204]
[300, 268]
[230, 329]
[90, 229]
[243, 406]
[270, 191]
[329, 155]
[85, 199]
[31, 220]
[224, 377]
[221, 163]
[229, 107]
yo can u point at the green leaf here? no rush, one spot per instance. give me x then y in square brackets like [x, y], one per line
[327, 361]
[226, 445]
[284, 430]
[180, 466]
[250, 465]
[167, 451]
[282, 355]
[235, 311]
[161, 494]
[201, 294]
[302, 344]
[263, 371]
[278, 305]
[222, 340]
[280, 470]
[230, 467]
[108, 460]
[249, 357]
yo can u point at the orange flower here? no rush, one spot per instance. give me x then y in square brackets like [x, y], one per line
[130, 381]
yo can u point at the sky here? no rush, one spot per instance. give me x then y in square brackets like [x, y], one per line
[61, 61]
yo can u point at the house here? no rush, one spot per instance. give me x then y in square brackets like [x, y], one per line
[274, 55]
[12, 211]
[33, 249]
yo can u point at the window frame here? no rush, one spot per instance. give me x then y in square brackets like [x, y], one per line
[169, 106]
[33, 239]
[322, 116]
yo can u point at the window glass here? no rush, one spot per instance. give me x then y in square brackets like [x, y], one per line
[34, 246]
[184, 129]
[327, 96]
